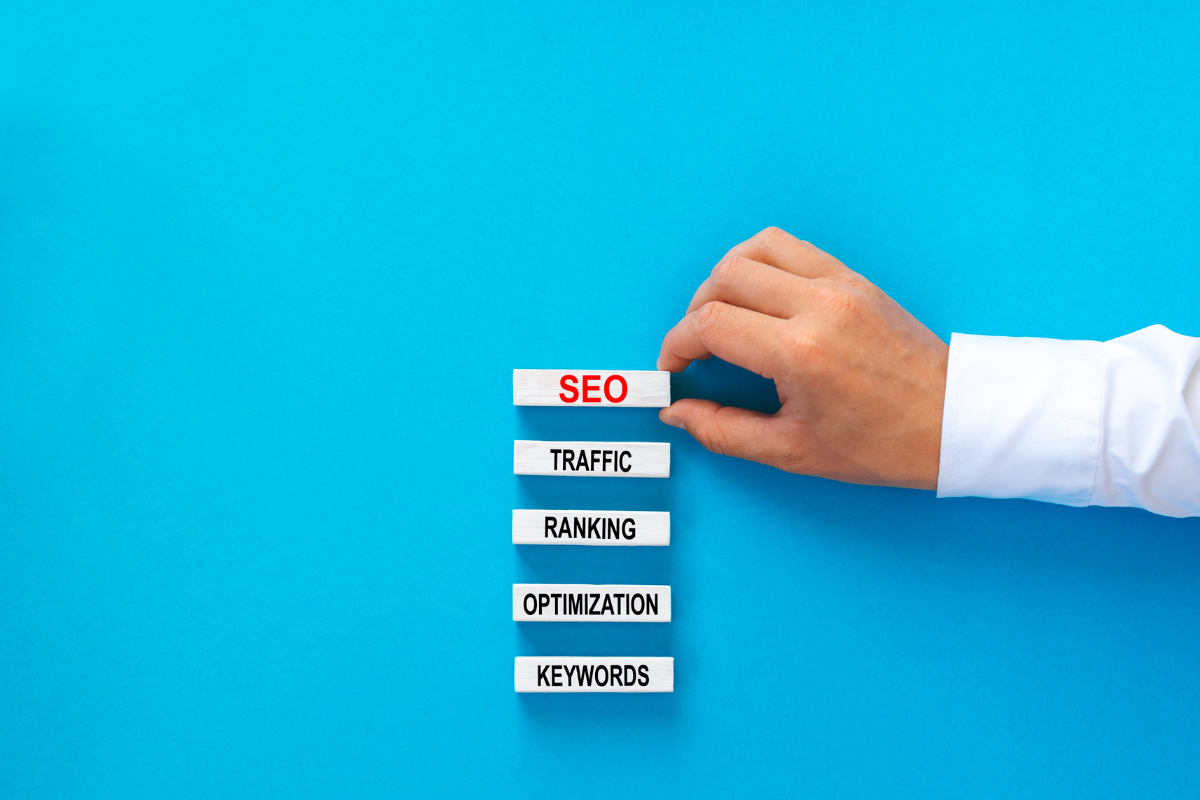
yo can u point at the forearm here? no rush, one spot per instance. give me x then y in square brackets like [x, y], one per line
[1075, 422]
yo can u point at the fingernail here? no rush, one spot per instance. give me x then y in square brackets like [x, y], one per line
[671, 418]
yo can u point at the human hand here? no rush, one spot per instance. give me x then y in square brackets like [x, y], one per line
[860, 380]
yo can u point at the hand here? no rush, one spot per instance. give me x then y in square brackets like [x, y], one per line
[861, 381]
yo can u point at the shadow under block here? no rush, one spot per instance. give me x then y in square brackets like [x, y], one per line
[583, 602]
[591, 388]
[592, 459]
[612, 528]
[594, 674]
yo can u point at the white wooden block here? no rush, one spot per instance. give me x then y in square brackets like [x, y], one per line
[593, 459]
[585, 602]
[530, 526]
[591, 388]
[594, 674]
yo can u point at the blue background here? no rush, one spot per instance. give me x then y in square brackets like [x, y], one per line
[265, 271]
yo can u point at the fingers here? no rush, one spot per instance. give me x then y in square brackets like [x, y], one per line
[752, 285]
[728, 430]
[782, 250]
[736, 335]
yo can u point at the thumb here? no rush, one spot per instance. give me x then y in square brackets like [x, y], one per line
[727, 430]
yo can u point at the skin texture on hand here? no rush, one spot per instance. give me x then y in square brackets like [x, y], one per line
[861, 381]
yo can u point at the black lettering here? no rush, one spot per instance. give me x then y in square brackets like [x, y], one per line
[542, 675]
[614, 674]
[551, 524]
[543, 601]
[620, 461]
[586, 674]
[555, 451]
[643, 675]
[627, 529]
[582, 461]
[575, 604]
[592, 608]
[595, 453]
[580, 529]
[611, 531]
[556, 596]
[568, 459]
[637, 605]
[591, 523]
[607, 456]
[598, 681]
[556, 675]
[570, 669]
[607, 604]
[525, 604]
[630, 674]
[564, 527]
[652, 605]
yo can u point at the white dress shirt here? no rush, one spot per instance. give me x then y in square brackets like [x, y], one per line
[1112, 423]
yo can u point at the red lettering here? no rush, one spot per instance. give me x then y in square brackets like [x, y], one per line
[573, 389]
[624, 388]
[591, 383]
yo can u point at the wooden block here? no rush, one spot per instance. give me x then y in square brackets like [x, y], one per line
[594, 674]
[593, 459]
[584, 602]
[591, 388]
[627, 528]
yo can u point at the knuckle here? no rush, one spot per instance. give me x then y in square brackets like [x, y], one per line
[803, 347]
[721, 268]
[774, 237]
[848, 304]
[709, 316]
[771, 233]
[839, 303]
[730, 270]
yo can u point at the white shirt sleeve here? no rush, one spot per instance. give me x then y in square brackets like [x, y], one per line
[1081, 423]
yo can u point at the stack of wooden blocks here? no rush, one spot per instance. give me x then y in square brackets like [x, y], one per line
[557, 602]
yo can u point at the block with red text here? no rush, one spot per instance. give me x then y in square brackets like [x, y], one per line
[591, 388]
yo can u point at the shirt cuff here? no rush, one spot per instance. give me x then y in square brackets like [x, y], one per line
[1022, 418]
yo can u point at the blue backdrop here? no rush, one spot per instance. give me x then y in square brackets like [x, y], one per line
[265, 272]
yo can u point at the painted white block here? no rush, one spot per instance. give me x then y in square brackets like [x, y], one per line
[585, 602]
[628, 528]
[594, 674]
[591, 388]
[593, 459]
